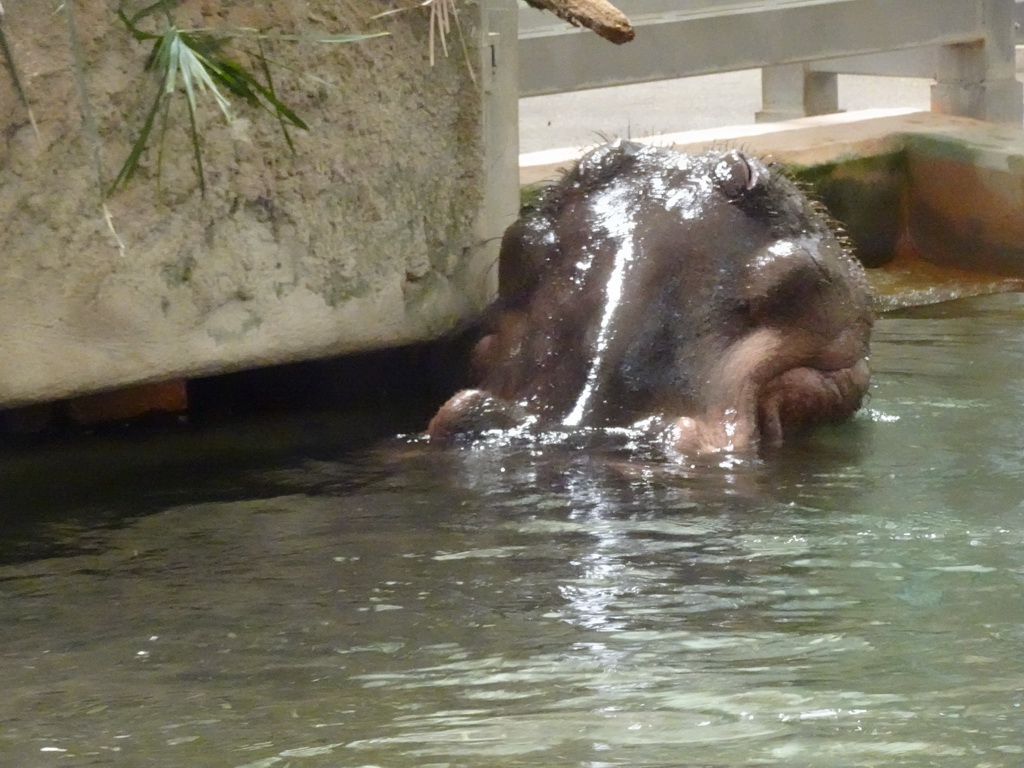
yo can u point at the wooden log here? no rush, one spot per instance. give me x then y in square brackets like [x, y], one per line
[599, 15]
[129, 403]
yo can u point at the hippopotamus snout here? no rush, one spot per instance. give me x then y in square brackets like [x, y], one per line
[704, 290]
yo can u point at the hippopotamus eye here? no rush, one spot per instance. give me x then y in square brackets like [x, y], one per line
[737, 174]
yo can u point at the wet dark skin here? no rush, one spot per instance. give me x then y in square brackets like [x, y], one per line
[704, 291]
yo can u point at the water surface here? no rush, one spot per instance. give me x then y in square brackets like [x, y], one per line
[851, 600]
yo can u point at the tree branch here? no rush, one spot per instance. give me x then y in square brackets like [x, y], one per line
[599, 15]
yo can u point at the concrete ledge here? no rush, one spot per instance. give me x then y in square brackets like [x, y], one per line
[806, 141]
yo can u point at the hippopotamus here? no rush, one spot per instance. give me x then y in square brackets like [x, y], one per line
[703, 293]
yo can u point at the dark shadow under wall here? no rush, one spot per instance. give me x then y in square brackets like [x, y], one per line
[248, 421]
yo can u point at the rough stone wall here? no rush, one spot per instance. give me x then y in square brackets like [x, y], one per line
[364, 238]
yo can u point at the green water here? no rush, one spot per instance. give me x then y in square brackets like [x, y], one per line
[853, 600]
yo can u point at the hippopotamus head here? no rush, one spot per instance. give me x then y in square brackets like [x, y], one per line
[704, 290]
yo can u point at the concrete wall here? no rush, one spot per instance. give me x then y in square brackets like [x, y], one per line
[370, 235]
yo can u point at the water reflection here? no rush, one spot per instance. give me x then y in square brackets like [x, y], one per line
[854, 600]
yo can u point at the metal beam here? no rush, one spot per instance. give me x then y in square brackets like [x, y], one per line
[708, 36]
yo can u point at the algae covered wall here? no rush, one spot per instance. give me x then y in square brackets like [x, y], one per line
[367, 236]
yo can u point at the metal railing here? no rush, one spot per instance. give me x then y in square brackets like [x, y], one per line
[966, 46]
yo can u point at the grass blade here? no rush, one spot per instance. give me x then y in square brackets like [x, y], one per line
[131, 164]
[262, 59]
[164, 124]
[160, 5]
[326, 39]
[197, 153]
[196, 70]
[137, 33]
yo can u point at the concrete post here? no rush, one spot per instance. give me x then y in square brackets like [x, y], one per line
[792, 90]
[979, 79]
[500, 76]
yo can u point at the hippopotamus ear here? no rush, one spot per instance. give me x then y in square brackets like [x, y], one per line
[737, 174]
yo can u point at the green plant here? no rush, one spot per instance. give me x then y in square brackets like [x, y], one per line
[201, 61]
